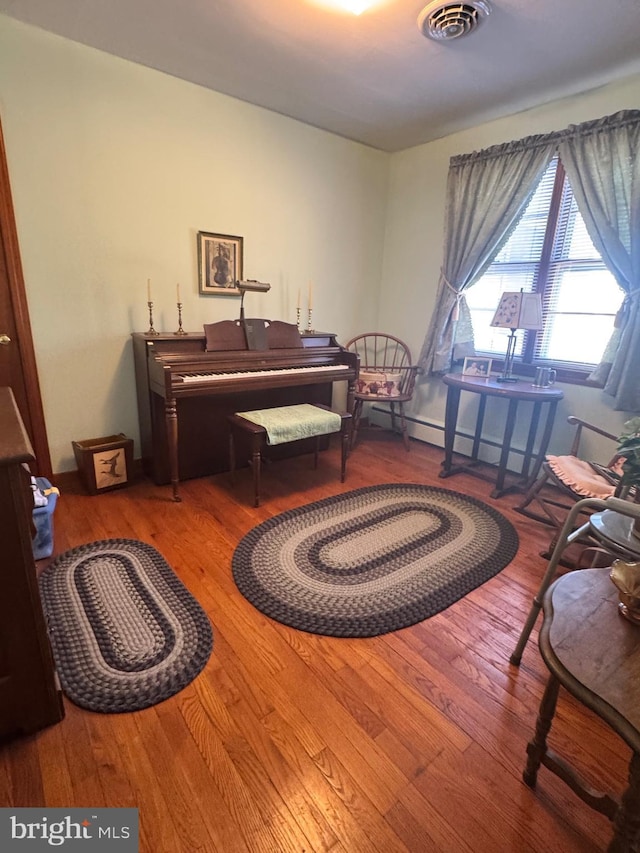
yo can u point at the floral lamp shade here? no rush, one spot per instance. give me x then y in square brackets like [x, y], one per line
[519, 311]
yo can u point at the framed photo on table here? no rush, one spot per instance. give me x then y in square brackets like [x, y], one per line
[477, 366]
[219, 264]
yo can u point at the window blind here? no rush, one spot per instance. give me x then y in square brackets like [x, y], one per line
[580, 296]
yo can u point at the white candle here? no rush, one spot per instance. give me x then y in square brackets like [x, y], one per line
[178, 291]
[298, 305]
[148, 290]
[310, 296]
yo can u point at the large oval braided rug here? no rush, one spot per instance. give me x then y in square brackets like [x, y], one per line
[125, 631]
[372, 560]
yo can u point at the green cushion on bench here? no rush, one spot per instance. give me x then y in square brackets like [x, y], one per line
[291, 423]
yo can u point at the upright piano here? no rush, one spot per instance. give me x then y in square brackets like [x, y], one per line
[188, 384]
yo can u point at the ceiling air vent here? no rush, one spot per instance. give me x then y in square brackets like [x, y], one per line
[446, 21]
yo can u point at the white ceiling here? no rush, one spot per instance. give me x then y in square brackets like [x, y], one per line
[373, 78]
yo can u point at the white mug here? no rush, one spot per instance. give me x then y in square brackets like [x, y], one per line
[545, 376]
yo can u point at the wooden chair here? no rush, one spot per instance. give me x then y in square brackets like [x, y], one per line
[387, 376]
[564, 480]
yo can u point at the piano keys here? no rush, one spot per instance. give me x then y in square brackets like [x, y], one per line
[235, 376]
[187, 387]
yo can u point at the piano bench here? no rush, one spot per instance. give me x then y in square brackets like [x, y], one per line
[257, 438]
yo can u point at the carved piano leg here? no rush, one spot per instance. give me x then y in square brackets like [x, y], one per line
[351, 395]
[171, 415]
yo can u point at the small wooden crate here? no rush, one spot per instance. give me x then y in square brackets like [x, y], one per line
[104, 463]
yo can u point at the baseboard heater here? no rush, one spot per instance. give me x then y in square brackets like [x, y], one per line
[459, 434]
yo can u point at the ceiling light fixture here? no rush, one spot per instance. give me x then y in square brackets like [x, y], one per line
[446, 21]
[356, 7]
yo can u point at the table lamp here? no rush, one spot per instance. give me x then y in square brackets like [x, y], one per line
[516, 311]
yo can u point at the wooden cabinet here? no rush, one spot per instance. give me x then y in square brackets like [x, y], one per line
[30, 698]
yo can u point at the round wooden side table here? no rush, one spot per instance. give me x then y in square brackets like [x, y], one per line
[594, 653]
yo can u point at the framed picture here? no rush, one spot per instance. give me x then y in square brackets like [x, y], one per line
[477, 366]
[219, 263]
[110, 468]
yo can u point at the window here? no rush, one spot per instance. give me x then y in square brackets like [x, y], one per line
[550, 252]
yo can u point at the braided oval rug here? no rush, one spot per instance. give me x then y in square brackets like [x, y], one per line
[125, 631]
[373, 560]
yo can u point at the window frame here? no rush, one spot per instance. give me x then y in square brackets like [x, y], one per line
[526, 364]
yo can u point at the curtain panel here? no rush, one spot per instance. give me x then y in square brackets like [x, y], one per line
[487, 192]
[602, 162]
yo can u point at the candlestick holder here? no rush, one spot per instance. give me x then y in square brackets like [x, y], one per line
[151, 330]
[298, 317]
[309, 327]
[180, 330]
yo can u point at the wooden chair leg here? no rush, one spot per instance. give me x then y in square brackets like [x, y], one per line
[355, 421]
[403, 427]
[392, 412]
[403, 423]
[533, 495]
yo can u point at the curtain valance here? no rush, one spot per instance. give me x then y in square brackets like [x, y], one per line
[622, 119]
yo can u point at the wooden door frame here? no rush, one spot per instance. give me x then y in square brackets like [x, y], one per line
[18, 299]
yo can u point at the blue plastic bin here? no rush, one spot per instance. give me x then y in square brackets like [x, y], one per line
[43, 520]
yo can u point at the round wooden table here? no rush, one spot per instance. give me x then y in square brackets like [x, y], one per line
[594, 653]
[515, 393]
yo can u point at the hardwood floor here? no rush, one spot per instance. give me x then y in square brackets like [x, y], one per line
[412, 741]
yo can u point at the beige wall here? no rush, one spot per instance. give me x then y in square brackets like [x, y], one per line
[414, 247]
[115, 168]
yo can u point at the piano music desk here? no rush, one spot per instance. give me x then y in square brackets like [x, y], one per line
[257, 437]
